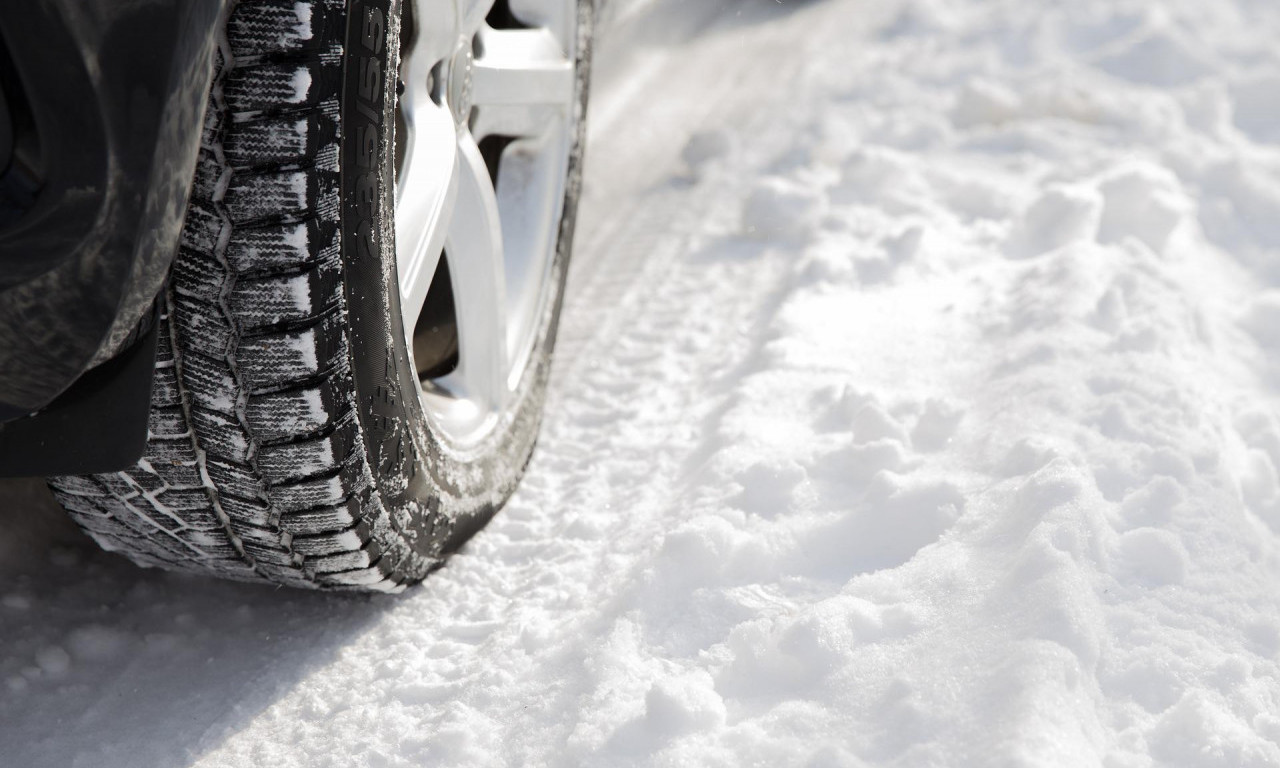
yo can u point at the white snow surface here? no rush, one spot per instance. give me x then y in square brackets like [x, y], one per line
[917, 404]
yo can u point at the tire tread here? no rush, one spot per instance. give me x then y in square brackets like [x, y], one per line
[255, 468]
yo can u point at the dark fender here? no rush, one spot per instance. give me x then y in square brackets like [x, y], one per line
[101, 108]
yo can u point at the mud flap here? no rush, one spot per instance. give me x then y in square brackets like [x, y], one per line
[98, 425]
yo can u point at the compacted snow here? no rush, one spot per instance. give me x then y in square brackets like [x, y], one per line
[918, 404]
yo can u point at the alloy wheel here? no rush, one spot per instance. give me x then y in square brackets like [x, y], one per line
[483, 134]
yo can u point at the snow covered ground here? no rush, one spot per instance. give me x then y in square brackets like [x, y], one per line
[918, 404]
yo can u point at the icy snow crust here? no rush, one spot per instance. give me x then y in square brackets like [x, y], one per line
[917, 404]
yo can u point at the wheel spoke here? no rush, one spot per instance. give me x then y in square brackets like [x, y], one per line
[519, 67]
[424, 202]
[473, 14]
[530, 217]
[436, 26]
[558, 17]
[476, 265]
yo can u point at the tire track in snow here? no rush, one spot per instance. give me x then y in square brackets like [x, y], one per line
[662, 318]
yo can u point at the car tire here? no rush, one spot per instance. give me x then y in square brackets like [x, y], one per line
[292, 437]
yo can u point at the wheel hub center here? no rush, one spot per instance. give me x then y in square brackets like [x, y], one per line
[460, 87]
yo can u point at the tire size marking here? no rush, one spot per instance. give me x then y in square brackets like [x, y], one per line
[367, 71]
[368, 104]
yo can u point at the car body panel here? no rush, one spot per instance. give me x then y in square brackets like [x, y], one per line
[112, 94]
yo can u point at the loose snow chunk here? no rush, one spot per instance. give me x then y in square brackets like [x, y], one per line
[844, 405]
[1153, 504]
[1260, 487]
[1262, 320]
[1151, 557]
[900, 517]
[857, 462]
[792, 655]
[1243, 211]
[783, 210]
[872, 423]
[767, 486]
[905, 245]
[1025, 457]
[1055, 484]
[982, 102]
[882, 177]
[1200, 732]
[1061, 215]
[675, 706]
[1159, 58]
[1257, 109]
[1142, 202]
[711, 550]
[936, 425]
